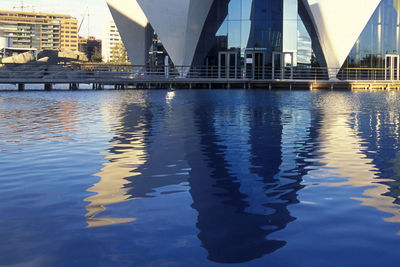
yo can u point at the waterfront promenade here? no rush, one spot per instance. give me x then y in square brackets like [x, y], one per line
[101, 76]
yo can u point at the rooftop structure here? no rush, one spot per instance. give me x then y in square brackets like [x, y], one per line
[40, 30]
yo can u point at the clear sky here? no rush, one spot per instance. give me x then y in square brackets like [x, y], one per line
[99, 13]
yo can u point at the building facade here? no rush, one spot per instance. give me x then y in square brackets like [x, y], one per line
[111, 39]
[68, 33]
[42, 31]
[244, 35]
[91, 47]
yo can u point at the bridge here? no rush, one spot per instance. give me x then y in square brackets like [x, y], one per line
[98, 76]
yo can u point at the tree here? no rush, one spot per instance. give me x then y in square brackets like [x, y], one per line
[119, 54]
[96, 57]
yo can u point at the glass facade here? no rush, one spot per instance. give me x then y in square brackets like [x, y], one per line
[246, 38]
[380, 37]
[243, 26]
[267, 26]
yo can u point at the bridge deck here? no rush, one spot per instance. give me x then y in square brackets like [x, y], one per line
[122, 77]
[154, 82]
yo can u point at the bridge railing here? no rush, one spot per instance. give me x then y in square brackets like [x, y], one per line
[126, 73]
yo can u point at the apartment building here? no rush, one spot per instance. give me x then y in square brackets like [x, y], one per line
[110, 38]
[68, 33]
[43, 31]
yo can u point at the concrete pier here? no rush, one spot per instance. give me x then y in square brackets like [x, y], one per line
[73, 86]
[119, 86]
[21, 87]
[97, 86]
[48, 86]
[203, 83]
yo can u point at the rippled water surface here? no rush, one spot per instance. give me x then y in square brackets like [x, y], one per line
[199, 178]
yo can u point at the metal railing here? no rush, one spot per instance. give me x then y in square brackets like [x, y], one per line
[125, 73]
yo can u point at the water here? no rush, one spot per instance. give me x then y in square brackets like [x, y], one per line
[199, 178]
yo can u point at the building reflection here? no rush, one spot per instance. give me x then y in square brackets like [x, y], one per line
[240, 182]
[127, 152]
[354, 150]
[145, 154]
[45, 120]
[165, 164]
[380, 132]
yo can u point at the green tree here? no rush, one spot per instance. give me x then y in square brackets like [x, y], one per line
[96, 57]
[119, 54]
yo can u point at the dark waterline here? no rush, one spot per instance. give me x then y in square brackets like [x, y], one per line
[201, 178]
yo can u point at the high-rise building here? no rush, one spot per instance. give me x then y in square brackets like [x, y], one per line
[110, 39]
[248, 35]
[42, 31]
[68, 33]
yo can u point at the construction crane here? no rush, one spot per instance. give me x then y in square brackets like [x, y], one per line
[86, 14]
[22, 7]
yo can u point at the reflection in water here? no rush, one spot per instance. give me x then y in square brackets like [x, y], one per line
[127, 154]
[145, 156]
[28, 121]
[346, 154]
[240, 186]
[166, 128]
[212, 176]
[227, 232]
[111, 187]
[246, 165]
[297, 146]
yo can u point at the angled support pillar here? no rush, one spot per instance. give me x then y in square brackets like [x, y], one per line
[338, 27]
[178, 24]
[134, 28]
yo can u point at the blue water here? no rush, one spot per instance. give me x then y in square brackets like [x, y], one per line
[199, 178]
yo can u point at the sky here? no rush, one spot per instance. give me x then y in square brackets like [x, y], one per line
[99, 13]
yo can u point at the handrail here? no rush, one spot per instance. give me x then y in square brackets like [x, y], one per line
[124, 72]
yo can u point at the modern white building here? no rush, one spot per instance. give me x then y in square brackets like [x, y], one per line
[239, 36]
[110, 37]
[5, 42]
